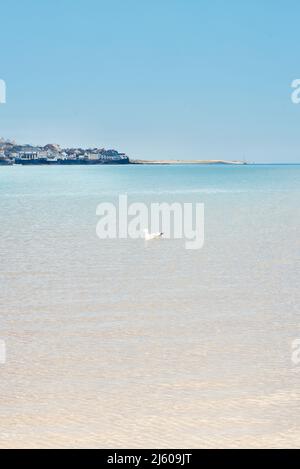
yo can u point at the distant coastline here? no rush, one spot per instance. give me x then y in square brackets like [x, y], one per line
[174, 162]
[12, 153]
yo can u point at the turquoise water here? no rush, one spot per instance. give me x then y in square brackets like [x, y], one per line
[97, 180]
[114, 343]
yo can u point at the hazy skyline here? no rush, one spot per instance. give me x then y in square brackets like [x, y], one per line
[186, 79]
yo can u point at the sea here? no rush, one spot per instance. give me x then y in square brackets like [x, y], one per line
[122, 343]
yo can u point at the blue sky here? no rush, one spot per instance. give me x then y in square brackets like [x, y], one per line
[156, 79]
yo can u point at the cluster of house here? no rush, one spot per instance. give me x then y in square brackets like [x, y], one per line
[11, 153]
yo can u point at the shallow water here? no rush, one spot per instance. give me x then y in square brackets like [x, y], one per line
[112, 343]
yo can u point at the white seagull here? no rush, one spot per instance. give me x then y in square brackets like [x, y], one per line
[149, 236]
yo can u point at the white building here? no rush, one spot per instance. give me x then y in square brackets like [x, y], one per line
[33, 155]
[93, 156]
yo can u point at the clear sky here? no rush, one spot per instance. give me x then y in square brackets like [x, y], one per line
[191, 79]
